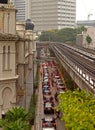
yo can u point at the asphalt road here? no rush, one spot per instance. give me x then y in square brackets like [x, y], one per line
[39, 110]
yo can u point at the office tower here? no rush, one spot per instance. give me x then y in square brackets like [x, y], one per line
[23, 9]
[53, 14]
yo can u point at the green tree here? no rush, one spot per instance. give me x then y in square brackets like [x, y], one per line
[15, 119]
[66, 35]
[78, 110]
[88, 39]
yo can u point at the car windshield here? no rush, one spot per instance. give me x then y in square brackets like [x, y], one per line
[60, 81]
[61, 84]
[47, 91]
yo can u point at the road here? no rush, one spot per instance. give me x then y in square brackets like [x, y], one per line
[39, 109]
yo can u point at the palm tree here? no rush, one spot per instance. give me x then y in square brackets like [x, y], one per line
[15, 119]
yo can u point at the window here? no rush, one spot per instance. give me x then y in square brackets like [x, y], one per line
[8, 59]
[4, 58]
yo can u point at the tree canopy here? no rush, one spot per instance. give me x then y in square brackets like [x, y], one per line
[15, 119]
[66, 35]
[88, 39]
[78, 110]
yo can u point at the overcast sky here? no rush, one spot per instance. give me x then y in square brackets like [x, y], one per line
[83, 8]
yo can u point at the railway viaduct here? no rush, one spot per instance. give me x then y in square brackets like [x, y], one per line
[79, 76]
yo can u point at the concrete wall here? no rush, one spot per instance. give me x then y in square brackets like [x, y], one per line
[7, 18]
[81, 38]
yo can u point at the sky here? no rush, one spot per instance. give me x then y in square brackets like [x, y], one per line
[84, 8]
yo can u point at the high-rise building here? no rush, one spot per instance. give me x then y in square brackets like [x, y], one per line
[23, 9]
[53, 14]
[47, 14]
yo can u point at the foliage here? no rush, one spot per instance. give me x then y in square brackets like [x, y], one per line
[88, 39]
[78, 110]
[15, 119]
[31, 114]
[36, 81]
[67, 35]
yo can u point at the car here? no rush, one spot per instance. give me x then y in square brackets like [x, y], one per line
[48, 98]
[48, 108]
[59, 81]
[62, 90]
[49, 122]
[46, 86]
[46, 74]
[45, 79]
[46, 92]
[48, 128]
[45, 89]
[56, 77]
[60, 85]
[45, 83]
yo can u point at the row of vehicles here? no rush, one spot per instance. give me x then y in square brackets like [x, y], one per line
[48, 122]
[51, 79]
[57, 79]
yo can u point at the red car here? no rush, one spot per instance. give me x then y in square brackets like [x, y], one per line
[49, 122]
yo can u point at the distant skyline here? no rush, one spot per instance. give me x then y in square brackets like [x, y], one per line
[83, 8]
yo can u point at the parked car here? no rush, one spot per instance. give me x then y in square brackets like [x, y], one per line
[49, 122]
[48, 108]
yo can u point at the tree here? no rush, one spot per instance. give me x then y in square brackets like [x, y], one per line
[15, 119]
[88, 39]
[66, 35]
[78, 110]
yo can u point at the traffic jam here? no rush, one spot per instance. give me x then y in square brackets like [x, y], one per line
[52, 85]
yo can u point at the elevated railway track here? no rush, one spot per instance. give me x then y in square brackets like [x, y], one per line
[78, 63]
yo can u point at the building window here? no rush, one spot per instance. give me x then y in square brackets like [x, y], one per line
[8, 59]
[4, 58]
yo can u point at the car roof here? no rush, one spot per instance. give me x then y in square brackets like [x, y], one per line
[47, 90]
[48, 104]
[48, 118]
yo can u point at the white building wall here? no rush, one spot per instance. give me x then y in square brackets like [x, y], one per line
[53, 14]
